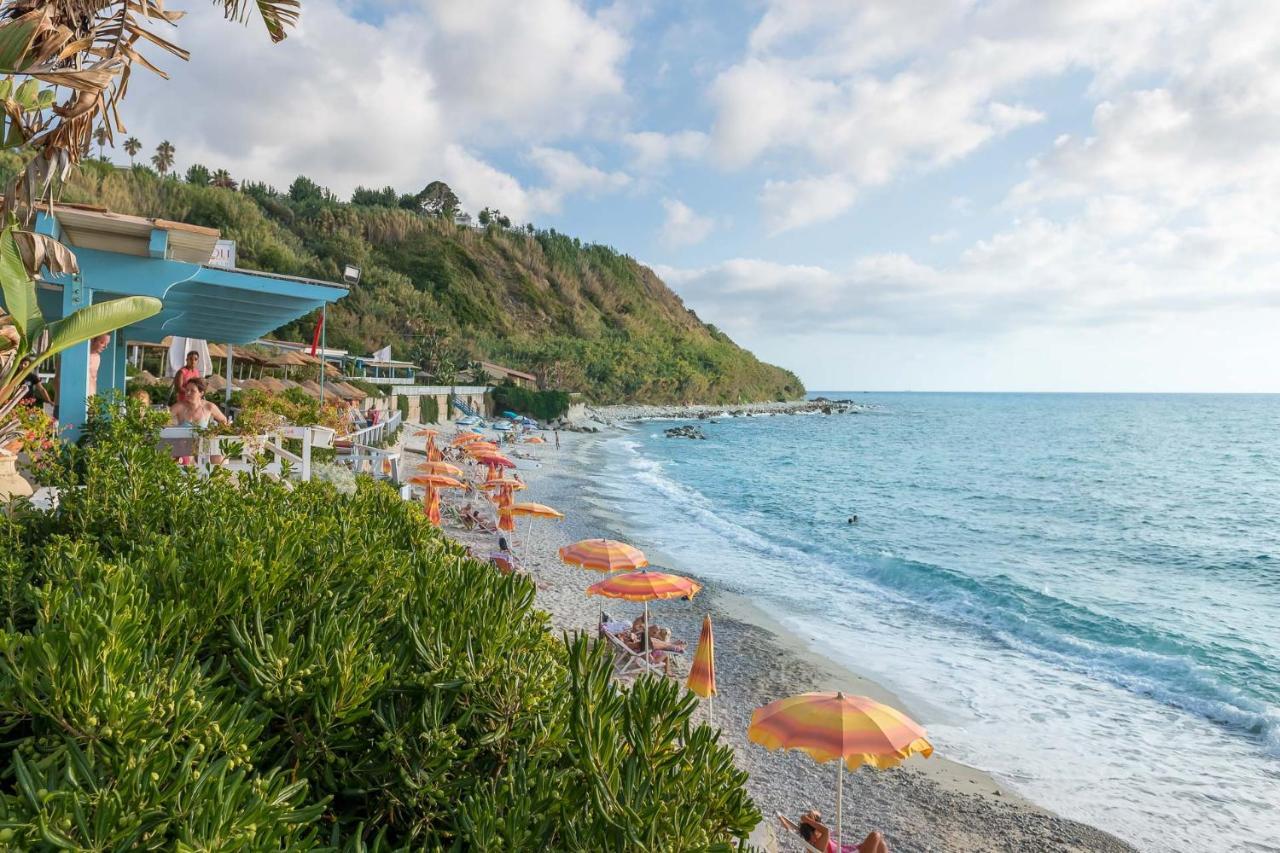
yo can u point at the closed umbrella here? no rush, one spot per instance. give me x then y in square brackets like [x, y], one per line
[433, 483]
[851, 730]
[702, 675]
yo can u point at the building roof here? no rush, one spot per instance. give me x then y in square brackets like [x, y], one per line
[490, 367]
[122, 255]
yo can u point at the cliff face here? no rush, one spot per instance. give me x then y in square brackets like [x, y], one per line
[583, 317]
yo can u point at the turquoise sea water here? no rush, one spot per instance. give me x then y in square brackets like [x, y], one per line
[1080, 593]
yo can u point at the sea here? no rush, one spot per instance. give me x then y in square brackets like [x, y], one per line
[1077, 593]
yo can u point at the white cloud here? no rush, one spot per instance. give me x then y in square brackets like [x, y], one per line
[652, 151]
[794, 204]
[877, 89]
[347, 102]
[566, 174]
[479, 185]
[682, 226]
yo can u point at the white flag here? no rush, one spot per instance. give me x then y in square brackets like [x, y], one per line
[383, 354]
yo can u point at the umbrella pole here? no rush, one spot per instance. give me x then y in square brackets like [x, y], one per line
[647, 656]
[839, 797]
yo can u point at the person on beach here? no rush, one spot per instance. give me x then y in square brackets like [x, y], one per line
[817, 836]
[189, 371]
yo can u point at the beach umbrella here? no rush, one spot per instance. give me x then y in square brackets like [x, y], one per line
[433, 484]
[535, 439]
[502, 483]
[604, 555]
[850, 730]
[433, 454]
[646, 587]
[479, 448]
[495, 460]
[465, 438]
[440, 468]
[702, 675]
[530, 511]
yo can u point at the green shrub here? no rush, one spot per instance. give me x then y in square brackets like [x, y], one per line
[429, 409]
[205, 664]
[542, 405]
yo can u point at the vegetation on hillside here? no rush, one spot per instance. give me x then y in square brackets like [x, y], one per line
[583, 317]
[196, 664]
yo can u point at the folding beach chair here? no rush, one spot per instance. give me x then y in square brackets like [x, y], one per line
[627, 663]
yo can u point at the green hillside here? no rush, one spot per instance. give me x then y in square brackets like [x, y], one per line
[583, 317]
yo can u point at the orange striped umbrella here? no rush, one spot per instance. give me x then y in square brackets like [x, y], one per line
[530, 511]
[434, 483]
[533, 510]
[646, 587]
[495, 460]
[466, 438]
[440, 468]
[503, 483]
[604, 555]
[535, 439]
[702, 675]
[851, 730]
[479, 448]
[428, 432]
[437, 481]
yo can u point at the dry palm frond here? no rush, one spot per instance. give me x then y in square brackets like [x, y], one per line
[87, 49]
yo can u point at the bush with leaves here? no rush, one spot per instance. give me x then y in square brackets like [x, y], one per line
[219, 664]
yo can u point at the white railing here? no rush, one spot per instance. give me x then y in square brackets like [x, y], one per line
[375, 434]
[204, 447]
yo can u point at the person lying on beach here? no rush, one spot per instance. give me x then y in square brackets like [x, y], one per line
[817, 836]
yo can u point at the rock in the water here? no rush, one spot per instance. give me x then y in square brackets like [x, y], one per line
[685, 431]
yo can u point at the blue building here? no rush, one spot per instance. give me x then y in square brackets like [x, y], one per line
[123, 255]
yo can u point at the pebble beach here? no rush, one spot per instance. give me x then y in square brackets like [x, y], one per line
[929, 804]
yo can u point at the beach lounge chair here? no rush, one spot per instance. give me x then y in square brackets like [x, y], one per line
[627, 663]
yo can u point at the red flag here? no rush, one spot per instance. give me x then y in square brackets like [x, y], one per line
[315, 338]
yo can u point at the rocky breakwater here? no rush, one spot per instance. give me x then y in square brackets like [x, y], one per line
[816, 406]
[686, 431]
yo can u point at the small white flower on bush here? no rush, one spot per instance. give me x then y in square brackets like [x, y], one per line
[342, 478]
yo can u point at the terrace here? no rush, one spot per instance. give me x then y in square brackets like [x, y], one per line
[122, 255]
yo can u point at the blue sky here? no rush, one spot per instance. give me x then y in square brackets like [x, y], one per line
[890, 194]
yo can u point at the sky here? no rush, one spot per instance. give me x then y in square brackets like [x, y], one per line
[1056, 195]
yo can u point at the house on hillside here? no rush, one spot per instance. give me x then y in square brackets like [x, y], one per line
[499, 374]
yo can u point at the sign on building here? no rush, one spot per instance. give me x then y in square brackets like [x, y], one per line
[224, 254]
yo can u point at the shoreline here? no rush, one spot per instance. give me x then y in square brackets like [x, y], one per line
[925, 805]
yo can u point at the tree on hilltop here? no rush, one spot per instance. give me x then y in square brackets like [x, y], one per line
[131, 147]
[102, 136]
[437, 199]
[366, 197]
[164, 157]
[222, 178]
[198, 176]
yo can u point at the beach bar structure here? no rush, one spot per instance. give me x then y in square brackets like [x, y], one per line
[123, 255]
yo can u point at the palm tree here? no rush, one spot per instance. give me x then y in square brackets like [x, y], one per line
[101, 136]
[131, 147]
[163, 158]
[222, 178]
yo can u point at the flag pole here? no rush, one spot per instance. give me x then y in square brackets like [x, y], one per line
[323, 363]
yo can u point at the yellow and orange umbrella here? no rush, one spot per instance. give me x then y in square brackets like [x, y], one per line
[433, 453]
[465, 438]
[477, 448]
[702, 675]
[535, 439]
[851, 730]
[502, 483]
[440, 468]
[604, 555]
[433, 484]
[428, 432]
[646, 587]
[530, 511]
